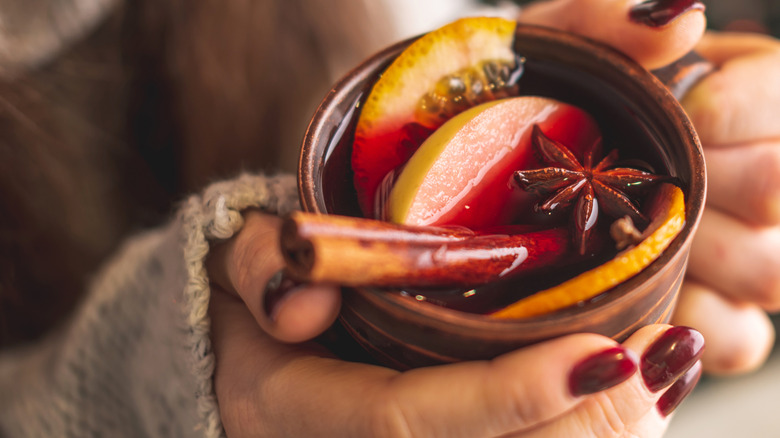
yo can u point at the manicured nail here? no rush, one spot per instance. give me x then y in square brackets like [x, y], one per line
[279, 287]
[677, 392]
[657, 13]
[670, 356]
[602, 370]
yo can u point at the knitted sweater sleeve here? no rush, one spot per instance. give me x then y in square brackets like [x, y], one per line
[135, 360]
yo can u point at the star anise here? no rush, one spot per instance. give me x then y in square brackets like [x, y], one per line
[595, 186]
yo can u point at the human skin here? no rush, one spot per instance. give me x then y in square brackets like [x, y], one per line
[734, 267]
[271, 382]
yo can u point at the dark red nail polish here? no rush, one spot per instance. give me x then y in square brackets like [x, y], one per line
[602, 371]
[657, 13]
[677, 392]
[671, 356]
[278, 287]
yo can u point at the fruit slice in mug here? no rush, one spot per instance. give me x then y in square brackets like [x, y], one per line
[667, 208]
[462, 173]
[441, 74]
[441, 125]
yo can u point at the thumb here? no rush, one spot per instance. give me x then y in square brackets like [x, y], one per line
[249, 265]
[655, 33]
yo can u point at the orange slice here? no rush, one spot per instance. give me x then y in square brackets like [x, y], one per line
[668, 211]
[460, 50]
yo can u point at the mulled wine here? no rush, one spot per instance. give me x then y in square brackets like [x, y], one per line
[634, 114]
[621, 128]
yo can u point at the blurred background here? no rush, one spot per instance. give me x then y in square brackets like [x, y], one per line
[744, 15]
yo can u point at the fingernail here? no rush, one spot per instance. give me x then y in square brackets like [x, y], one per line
[670, 356]
[657, 13]
[602, 370]
[677, 392]
[278, 287]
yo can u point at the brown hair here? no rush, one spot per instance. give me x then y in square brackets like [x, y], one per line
[161, 98]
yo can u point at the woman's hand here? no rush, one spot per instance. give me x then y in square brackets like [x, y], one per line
[246, 264]
[625, 25]
[579, 385]
[734, 263]
[734, 267]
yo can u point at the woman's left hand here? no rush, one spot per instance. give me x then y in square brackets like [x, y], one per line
[577, 385]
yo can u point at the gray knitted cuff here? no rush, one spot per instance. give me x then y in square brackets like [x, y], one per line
[217, 215]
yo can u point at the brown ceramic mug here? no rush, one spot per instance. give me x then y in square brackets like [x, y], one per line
[400, 332]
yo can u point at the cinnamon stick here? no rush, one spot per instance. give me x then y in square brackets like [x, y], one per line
[361, 252]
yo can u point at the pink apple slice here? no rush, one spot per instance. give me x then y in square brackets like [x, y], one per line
[462, 174]
[398, 99]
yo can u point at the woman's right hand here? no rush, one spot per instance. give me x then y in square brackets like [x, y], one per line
[580, 385]
[734, 267]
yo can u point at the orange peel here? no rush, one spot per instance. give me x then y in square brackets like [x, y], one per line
[396, 96]
[667, 208]
[458, 45]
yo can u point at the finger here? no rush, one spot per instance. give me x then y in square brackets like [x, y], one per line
[676, 393]
[740, 261]
[738, 101]
[744, 181]
[721, 47]
[302, 312]
[609, 21]
[246, 264]
[739, 335]
[310, 396]
[656, 421]
[651, 425]
[632, 407]
[515, 392]
[245, 355]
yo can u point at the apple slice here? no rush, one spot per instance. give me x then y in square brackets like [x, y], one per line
[462, 174]
[444, 72]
